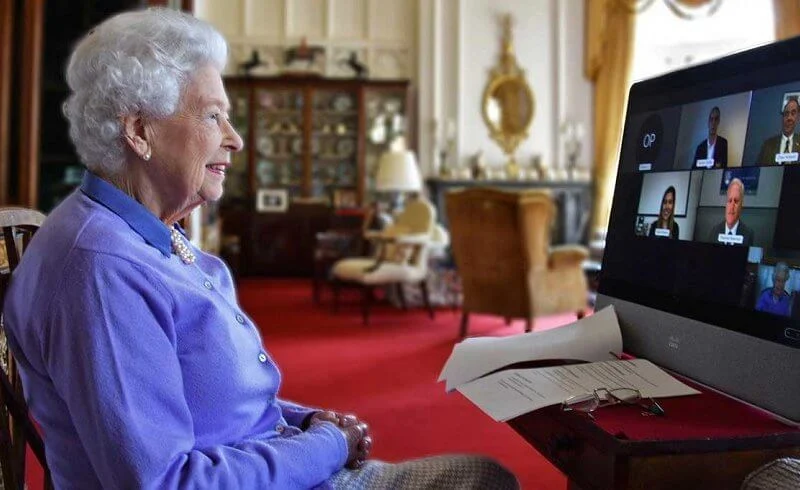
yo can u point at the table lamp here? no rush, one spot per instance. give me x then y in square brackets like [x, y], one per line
[398, 173]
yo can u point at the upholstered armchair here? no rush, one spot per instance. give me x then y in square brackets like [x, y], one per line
[501, 246]
[401, 257]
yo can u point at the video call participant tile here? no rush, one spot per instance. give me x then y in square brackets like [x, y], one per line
[712, 133]
[649, 141]
[668, 204]
[774, 289]
[772, 134]
[739, 207]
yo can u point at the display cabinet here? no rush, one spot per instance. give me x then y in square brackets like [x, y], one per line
[313, 136]
[313, 142]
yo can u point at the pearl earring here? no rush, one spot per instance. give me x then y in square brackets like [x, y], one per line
[147, 156]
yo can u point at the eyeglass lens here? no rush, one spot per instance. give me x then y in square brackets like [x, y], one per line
[582, 403]
[623, 395]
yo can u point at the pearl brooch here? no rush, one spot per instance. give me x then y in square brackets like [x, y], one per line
[180, 248]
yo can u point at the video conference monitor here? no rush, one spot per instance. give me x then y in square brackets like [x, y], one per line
[702, 257]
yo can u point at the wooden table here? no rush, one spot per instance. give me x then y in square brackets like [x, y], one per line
[706, 441]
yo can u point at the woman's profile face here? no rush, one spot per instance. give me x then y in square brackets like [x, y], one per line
[191, 148]
[667, 205]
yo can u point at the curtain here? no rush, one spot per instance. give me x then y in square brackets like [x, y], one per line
[607, 63]
[787, 18]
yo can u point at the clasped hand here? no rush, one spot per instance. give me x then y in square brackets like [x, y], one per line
[359, 442]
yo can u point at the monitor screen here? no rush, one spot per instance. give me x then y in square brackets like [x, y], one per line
[702, 256]
[705, 220]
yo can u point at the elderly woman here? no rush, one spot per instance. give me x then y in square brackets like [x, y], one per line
[776, 300]
[137, 361]
[665, 225]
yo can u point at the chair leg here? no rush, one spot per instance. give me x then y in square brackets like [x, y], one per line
[426, 298]
[315, 284]
[581, 314]
[464, 323]
[528, 324]
[401, 294]
[366, 303]
[336, 289]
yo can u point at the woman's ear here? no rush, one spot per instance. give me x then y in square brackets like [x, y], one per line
[133, 131]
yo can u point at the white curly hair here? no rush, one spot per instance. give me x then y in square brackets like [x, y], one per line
[136, 62]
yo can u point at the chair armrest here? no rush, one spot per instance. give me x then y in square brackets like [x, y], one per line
[567, 256]
[387, 234]
[334, 235]
[374, 235]
[417, 239]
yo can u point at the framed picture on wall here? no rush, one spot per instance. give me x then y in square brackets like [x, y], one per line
[272, 201]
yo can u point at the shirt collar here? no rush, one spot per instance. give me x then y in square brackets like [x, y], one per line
[733, 228]
[139, 218]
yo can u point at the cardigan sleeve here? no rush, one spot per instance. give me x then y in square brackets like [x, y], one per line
[108, 344]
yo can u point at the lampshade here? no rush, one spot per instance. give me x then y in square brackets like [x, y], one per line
[398, 172]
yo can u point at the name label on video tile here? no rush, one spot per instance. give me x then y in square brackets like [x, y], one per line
[786, 157]
[644, 167]
[705, 163]
[730, 239]
[662, 232]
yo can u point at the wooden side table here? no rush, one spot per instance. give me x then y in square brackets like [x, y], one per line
[706, 441]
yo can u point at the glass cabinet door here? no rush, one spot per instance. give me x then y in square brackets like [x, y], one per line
[279, 143]
[334, 146]
[386, 119]
[237, 177]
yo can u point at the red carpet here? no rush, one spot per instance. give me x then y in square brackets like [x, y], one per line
[386, 374]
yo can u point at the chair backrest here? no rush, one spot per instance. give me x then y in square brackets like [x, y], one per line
[17, 226]
[498, 238]
[417, 218]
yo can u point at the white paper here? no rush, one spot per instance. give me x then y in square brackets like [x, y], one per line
[508, 394]
[588, 339]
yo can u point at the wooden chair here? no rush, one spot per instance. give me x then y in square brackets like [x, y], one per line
[401, 257]
[501, 246]
[17, 432]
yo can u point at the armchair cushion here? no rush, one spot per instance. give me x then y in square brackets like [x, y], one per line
[362, 270]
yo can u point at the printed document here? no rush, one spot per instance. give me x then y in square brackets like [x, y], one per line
[589, 339]
[508, 394]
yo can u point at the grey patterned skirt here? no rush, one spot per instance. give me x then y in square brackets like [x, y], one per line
[781, 474]
[437, 472]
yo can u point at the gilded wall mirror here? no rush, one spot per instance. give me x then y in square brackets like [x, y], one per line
[508, 105]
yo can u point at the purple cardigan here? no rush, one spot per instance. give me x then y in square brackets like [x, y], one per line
[143, 371]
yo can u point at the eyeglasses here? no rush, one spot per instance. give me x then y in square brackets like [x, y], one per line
[603, 397]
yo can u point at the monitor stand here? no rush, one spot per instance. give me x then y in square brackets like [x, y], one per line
[767, 378]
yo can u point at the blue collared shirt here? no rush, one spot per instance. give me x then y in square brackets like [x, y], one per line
[143, 371]
[777, 306]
